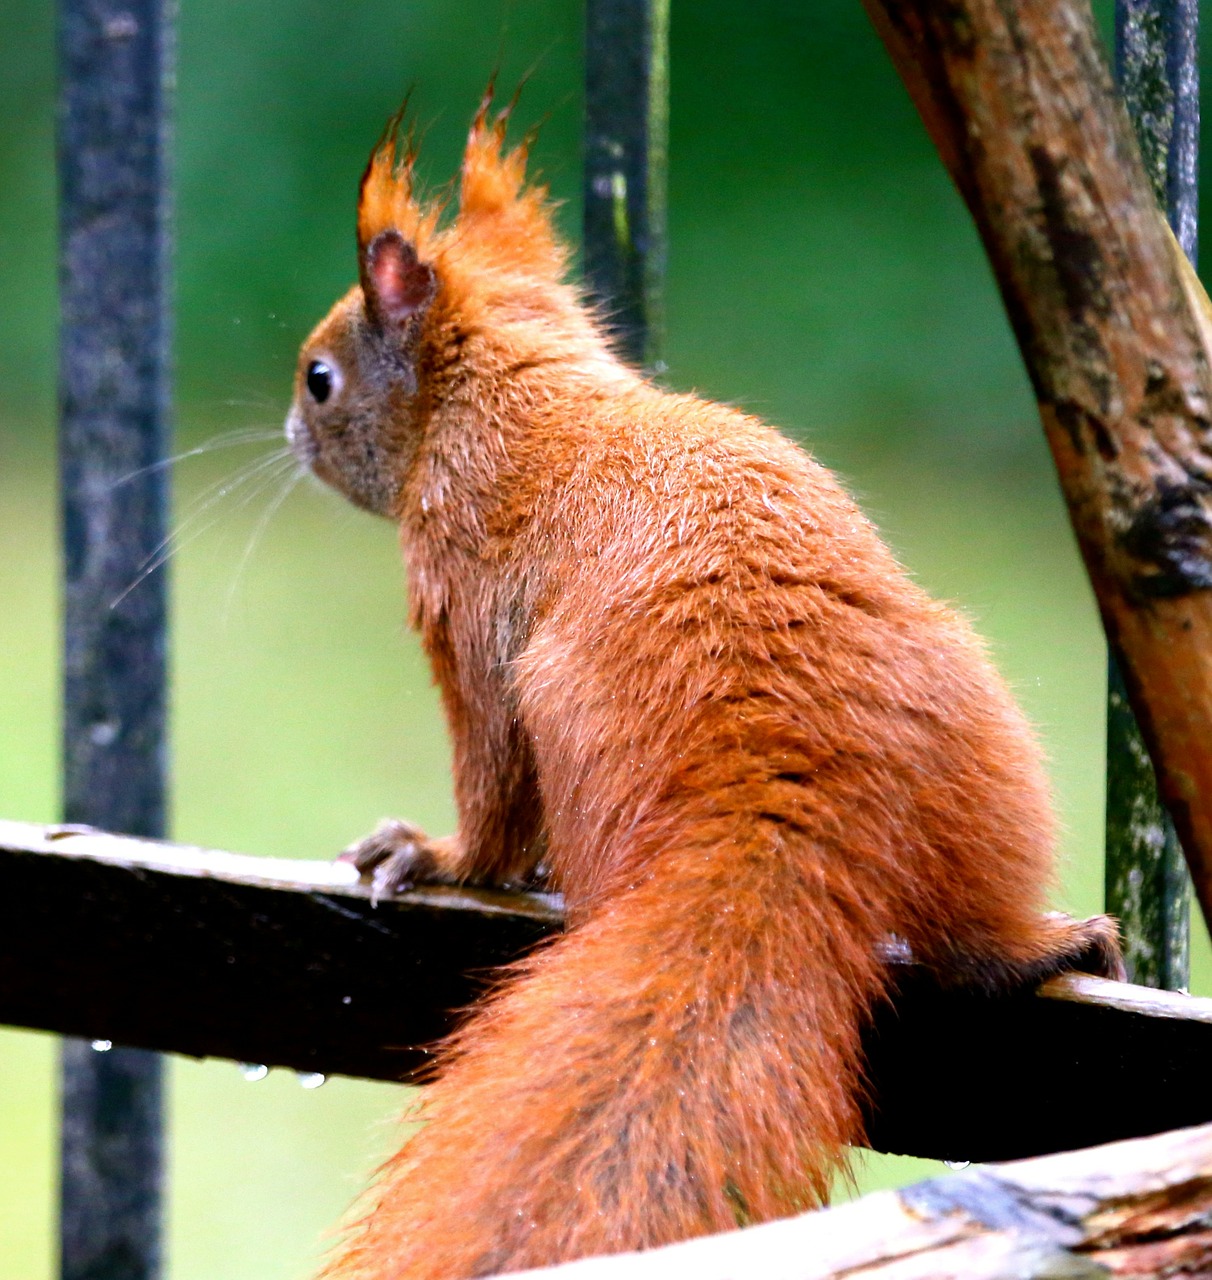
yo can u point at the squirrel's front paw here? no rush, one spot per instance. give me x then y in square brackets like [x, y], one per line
[395, 856]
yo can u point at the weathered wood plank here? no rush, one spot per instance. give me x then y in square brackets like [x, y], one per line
[960, 1076]
[290, 964]
[211, 954]
[1130, 1209]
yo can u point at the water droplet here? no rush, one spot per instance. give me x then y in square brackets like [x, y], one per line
[102, 1046]
[311, 1079]
[122, 26]
[253, 1070]
[957, 1164]
[103, 733]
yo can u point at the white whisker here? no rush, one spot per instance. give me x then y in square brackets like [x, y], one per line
[229, 439]
[215, 492]
[253, 402]
[288, 483]
[253, 478]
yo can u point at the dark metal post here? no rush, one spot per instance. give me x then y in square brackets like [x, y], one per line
[115, 82]
[1148, 887]
[626, 146]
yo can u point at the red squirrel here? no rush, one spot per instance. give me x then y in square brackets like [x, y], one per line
[685, 678]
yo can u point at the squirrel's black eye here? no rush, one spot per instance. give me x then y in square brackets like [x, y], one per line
[319, 381]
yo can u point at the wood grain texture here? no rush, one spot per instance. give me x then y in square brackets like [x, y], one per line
[1129, 1209]
[264, 960]
[1021, 106]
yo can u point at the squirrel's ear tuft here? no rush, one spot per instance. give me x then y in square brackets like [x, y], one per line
[396, 285]
[496, 205]
[492, 177]
[385, 198]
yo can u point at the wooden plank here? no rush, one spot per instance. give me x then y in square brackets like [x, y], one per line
[960, 1076]
[260, 960]
[1137, 1208]
[290, 964]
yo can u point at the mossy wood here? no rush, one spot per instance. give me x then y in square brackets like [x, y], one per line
[1114, 331]
[290, 964]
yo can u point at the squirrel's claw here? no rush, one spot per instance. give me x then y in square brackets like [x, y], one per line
[394, 857]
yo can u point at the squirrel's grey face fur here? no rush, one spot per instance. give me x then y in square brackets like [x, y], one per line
[353, 418]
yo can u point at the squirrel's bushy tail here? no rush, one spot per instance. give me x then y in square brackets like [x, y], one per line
[673, 1066]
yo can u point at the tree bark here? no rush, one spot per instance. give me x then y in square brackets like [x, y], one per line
[1109, 318]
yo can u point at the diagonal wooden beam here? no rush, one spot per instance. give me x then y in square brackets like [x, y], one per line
[1109, 318]
[290, 964]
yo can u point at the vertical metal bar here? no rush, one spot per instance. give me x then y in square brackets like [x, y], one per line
[1147, 884]
[111, 1161]
[1157, 67]
[626, 149]
[115, 59]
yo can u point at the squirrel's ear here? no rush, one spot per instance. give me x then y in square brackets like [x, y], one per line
[397, 286]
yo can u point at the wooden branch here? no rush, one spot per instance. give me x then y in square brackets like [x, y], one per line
[1137, 1208]
[1107, 315]
[289, 964]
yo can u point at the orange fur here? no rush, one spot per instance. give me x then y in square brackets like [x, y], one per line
[682, 672]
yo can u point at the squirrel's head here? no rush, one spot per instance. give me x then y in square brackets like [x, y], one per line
[431, 302]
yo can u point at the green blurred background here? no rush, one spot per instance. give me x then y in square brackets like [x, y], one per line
[822, 273]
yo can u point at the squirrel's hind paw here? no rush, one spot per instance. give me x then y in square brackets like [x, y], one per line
[1089, 946]
[395, 856]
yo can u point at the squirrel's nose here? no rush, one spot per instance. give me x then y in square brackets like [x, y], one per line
[299, 437]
